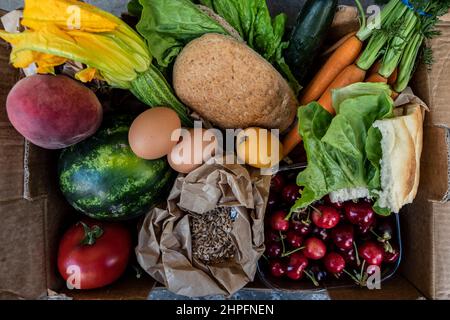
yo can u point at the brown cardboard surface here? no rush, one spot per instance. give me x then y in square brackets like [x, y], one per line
[433, 84]
[127, 288]
[434, 164]
[426, 231]
[397, 288]
[11, 142]
[22, 253]
[30, 230]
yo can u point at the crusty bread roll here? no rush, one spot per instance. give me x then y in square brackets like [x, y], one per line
[400, 166]
[232, 86]
[401, 145]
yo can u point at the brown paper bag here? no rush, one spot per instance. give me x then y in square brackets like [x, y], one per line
[164, 249]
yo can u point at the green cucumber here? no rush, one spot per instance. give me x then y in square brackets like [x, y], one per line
[308, 35]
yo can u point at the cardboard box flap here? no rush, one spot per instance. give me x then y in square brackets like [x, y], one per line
[23, 166]
[434, 180]
[432, 84]
[426, 234]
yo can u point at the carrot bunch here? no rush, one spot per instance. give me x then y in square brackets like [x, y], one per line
[389, 56]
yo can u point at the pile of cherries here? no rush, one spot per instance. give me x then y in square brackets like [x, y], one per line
[326, 240]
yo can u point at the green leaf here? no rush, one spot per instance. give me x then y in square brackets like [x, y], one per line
[134, 8]
[344, 151]
[251, 18]
[168, 25]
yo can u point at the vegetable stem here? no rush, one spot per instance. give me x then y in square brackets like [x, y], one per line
[362, 15]
[152, 89]
[408, 62]
[365, 32]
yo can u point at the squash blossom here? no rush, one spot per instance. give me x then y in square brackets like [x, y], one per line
[61, 30]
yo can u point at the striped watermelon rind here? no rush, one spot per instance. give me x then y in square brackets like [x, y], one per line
[102, 178]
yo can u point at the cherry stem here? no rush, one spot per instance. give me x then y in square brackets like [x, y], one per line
[352, 277]
[288, 217]
[282, 242]
[312, 278]
[387, 245]
[358, 262]
[264, 256]
[316, 210]
[308, 220]
[287, 254]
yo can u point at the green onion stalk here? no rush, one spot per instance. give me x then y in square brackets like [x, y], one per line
[391, 18]
[401, 36]
[397, 45]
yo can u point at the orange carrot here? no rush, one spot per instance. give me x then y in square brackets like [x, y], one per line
[344, 56]
[393, 78]
[339, 43]
[376, 77]
[394, 95]
[374, 68]
[291, 140]
[351, 74]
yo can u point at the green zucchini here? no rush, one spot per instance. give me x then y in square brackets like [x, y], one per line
[152, 89]
[308, 35]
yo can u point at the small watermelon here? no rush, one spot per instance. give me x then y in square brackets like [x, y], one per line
[104, 179]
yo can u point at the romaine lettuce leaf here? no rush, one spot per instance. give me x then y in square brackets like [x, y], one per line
[344, 151]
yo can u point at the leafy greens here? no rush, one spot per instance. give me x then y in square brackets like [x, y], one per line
[344, 152]
[168, 25]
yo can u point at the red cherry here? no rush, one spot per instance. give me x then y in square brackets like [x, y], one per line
[318, 272]
[385, 228]
[277, 183]
[349, 257]
[315, 248]
[337, 205]
[290, 193]
[272, 236]
[371, 252]
[274, 250]
[294, 272]
[277, 268]
[278, 222]
[298, 259]
[272, 201]
[360, 213]
[343, 236]
[391, 257]
[371, 269]
[325, 217]
[322, 234]
[334, 262]
[294, 239]
[301, 228]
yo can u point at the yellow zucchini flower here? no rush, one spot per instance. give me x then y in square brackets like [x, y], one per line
[62, 30]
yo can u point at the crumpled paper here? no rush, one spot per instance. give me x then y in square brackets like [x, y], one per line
[164, 247]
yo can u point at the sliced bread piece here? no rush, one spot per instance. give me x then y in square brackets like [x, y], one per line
[400, 165]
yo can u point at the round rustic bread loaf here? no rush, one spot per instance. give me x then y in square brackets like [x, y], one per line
[232, 86]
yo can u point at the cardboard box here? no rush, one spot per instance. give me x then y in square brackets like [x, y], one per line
[34, 214]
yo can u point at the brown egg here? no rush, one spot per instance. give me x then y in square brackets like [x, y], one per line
[154, 133]
[195, 148]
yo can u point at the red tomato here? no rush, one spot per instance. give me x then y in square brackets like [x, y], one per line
[94, 265]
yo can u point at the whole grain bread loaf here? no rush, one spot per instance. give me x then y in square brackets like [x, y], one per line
[232, 86]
